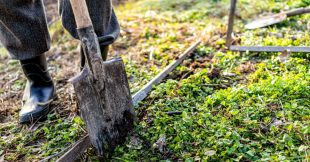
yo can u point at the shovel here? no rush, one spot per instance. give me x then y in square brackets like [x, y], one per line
[274, 19]
[102, 90]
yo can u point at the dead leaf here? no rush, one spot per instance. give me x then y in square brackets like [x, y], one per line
[276, 123]
[248, 67]
[302, 148]
[229, 74]
[160, 143]
[2, 158]
[210, 152]
[284, 56]
[135, 142]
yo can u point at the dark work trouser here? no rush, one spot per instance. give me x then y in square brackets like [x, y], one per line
[23, 27]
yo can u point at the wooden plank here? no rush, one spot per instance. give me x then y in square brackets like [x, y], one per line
[76, 150]
[270, 49]
[140, 95]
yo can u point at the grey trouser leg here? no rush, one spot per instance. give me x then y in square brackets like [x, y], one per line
[102, 15]
[23, 29]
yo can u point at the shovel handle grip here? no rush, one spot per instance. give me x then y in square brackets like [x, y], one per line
[81, 13]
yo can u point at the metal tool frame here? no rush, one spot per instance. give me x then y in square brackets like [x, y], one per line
[231, 47]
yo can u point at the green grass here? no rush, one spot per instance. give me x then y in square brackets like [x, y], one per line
[261, 114]
[227, 106]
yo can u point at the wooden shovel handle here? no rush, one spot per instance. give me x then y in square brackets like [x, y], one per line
[81, 13]
[298, 11]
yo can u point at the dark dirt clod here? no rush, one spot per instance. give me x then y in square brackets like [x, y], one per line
[215, 73]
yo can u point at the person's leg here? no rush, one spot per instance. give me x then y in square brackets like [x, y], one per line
[104, 20]
[23, 32]
[40, 89]
[23, 29]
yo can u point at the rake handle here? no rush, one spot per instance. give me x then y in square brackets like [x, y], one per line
[297, 11]
[81, 13]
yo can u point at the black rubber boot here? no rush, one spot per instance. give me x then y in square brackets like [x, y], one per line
[39, 92]
[104, 55]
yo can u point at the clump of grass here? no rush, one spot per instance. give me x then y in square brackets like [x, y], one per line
[218, 105]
